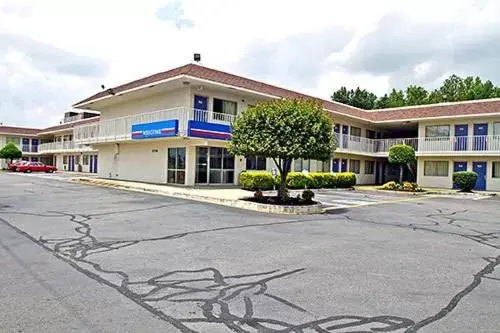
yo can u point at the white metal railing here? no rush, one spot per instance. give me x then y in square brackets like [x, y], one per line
[366, 145]
[479, 143]
[62, 146]
[120, 129]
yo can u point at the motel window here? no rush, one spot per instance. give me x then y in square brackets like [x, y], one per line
[65, 159]
[176, 165]
[369, 167]
[496, 169]
[354, 166]
[370, 134]
[227, 107]
[355, 131]
[437, 131]
[301, 164]
[436, 168]
[496, 128]
[85, 160]
[15, 140]
[256, 163]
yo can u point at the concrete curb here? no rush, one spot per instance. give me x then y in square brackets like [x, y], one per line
[237, 203]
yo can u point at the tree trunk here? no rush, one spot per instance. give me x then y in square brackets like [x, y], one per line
[401, 174]
[285, 167]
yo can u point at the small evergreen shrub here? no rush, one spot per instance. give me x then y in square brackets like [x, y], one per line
[256, 180]
[308, 195]
[346, 179]
[329, 180]
[390, 186]
[465, 180]
[298, 180]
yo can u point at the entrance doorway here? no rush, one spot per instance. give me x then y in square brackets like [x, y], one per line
[214, 165]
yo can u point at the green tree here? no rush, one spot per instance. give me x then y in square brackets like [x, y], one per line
[401, 155]
[342, 96]
[452, 88]
[416, 95]
[10, 151]
[382, 102]
[435, 97]
[396, 98]
[283, 130]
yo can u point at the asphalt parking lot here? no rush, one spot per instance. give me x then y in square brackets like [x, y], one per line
[90, 259]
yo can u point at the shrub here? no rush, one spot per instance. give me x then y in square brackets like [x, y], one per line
[410, 187]
[390, 186]
[308, 195]
[298, 180]
[346, 179]
[318, 179]
[465, 180]
[329, 180]
[256, 180]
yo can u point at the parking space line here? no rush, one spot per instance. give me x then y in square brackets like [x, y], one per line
[382, 202]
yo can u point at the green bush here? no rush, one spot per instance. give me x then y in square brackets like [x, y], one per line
[346, 179]
[329, 180]
[256, 180]
[318, 179]
[390, 186]
[465, 180]
[298, 180]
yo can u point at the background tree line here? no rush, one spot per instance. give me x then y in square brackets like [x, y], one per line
[453, 89]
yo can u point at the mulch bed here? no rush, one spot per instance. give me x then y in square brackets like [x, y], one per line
[274, 200]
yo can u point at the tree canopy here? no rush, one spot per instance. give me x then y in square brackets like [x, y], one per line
[453, 89]
[10, 151]
[401, 155]
[283, 130]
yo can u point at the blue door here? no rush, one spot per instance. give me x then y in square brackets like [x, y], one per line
[461, 133]
[343, 166]
[91, 163]
[459, 166]
[95, 164]
[335, 165]
[480, 135]
[480, 169]
[345, 132]
[200, 106]
[71, 163]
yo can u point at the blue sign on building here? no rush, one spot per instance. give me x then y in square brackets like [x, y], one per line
[158, 129]
[201, 129]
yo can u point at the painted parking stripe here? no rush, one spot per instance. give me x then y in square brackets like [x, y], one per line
[381, 202]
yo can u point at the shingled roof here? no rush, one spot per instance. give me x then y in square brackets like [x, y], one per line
[427, 111]
[69, 125]
[19, 130]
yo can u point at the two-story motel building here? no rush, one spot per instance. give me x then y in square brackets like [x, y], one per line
[172, 127]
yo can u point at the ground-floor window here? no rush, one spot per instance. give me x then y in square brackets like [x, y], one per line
[436, 168]
[325, 166]
[496, 170]
[65, 159]
[214, 165]
[176, 173]
[256, 163]
[301, 164]
[85, 160]
[34, 159]
[369, 167]
[354, 166]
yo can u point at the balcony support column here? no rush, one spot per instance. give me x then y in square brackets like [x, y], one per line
[190, 165]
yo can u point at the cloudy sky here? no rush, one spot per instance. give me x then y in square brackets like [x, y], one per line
[55, 52]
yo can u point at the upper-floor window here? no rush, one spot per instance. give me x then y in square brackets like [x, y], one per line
[15, 140]
[256, 163]
[355, 131]
[437, 131]
[370, 134]
[223, 106]
[496, 128]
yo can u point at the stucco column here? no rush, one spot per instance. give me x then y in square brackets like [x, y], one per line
[239, 165]
[190, 165]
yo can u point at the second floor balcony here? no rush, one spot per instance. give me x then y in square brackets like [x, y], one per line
[62, 147]
[120, 129]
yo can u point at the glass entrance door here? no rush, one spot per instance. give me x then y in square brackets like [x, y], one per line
[214, 165]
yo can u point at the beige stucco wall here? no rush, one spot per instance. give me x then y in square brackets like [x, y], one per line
[361, 177]
[492, 184]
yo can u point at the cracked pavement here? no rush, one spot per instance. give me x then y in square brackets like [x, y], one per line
[95, 259]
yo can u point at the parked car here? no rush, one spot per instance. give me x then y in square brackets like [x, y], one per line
[14, 164]
[36, 167]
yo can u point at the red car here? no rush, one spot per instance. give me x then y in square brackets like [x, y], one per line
[13, 166]
[35, 167]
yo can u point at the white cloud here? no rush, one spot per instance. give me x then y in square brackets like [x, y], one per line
[117, 41]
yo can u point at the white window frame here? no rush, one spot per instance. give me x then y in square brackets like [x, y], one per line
[431, 170]
[351, 166]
